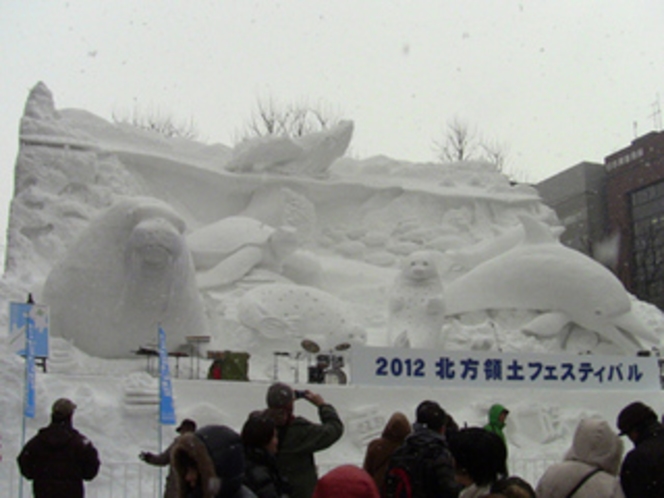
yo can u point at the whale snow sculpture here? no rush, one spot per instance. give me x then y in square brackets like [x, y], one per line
[416, 305]
[297, 312]
[129, 272]
[228, 249]
[541, 274]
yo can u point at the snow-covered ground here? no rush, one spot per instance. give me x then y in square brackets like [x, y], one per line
[356, 222]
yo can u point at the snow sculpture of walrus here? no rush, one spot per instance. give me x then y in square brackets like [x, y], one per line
[416, 305]
[129, 271]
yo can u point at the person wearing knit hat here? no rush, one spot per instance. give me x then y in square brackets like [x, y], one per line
[299, 438]
[163, 459]
[642, 471]
[63, 409]
[59, 458]
[347, 481]
[635, 416]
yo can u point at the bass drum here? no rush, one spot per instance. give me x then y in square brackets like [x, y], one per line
[335, 376]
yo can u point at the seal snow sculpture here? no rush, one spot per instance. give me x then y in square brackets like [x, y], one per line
[296, 312]
[416, 305]
[227, 250]
[542, 274]
[310, 155]
[129, 271]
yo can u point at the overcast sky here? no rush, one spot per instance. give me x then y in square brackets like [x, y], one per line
[557, 82]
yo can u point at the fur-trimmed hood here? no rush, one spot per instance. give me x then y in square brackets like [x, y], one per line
[219, 456]
[192, 446]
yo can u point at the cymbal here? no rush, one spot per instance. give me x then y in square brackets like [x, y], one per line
[310, 346]
[343, 346]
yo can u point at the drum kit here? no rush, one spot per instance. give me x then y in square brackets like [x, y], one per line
[328, 368]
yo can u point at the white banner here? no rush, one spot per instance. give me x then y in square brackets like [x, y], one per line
[431, 368]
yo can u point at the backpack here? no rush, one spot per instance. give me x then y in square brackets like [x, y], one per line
[406, 472]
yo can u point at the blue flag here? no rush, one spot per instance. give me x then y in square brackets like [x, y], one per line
[166, 408]
[29, 368]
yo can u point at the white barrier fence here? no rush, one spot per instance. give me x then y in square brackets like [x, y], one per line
[138, 480]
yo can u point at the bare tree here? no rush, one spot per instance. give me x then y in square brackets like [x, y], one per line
[460, 142]
[159, 122]
[495, 152]
[292, 120]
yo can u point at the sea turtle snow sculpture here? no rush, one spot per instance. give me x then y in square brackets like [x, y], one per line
[228, 249]
[296, 313]
[128, 273]
[541, 274]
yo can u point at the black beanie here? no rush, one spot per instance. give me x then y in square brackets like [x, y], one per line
[635, 415]
[258, 430]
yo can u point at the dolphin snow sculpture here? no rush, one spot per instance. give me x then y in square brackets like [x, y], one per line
[542, 274]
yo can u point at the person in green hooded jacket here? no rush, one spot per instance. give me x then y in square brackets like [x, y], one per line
[299, 438]
[497, 415]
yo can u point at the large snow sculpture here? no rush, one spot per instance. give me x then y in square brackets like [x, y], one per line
[416, 305]
[310, 155]
[128, 272]
[293, 313]
[542, 274]
[227, 250]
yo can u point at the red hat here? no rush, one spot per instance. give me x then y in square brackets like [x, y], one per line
[348, 481]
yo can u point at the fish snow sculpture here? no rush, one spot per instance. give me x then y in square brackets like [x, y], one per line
[297, 312]
[541, 274]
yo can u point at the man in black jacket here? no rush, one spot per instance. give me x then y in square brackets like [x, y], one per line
[642, 471]
[59, 458]
[426, 454]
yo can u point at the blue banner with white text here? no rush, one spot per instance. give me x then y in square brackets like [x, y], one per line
[166, 406]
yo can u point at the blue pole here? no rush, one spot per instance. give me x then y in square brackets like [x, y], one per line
[29, 388]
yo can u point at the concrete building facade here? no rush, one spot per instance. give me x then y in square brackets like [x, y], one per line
[622, 198]
[577, 196]
[635, 208]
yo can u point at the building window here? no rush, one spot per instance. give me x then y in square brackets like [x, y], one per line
[648, 244]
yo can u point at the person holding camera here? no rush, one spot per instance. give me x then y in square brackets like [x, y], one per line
[299, 438]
